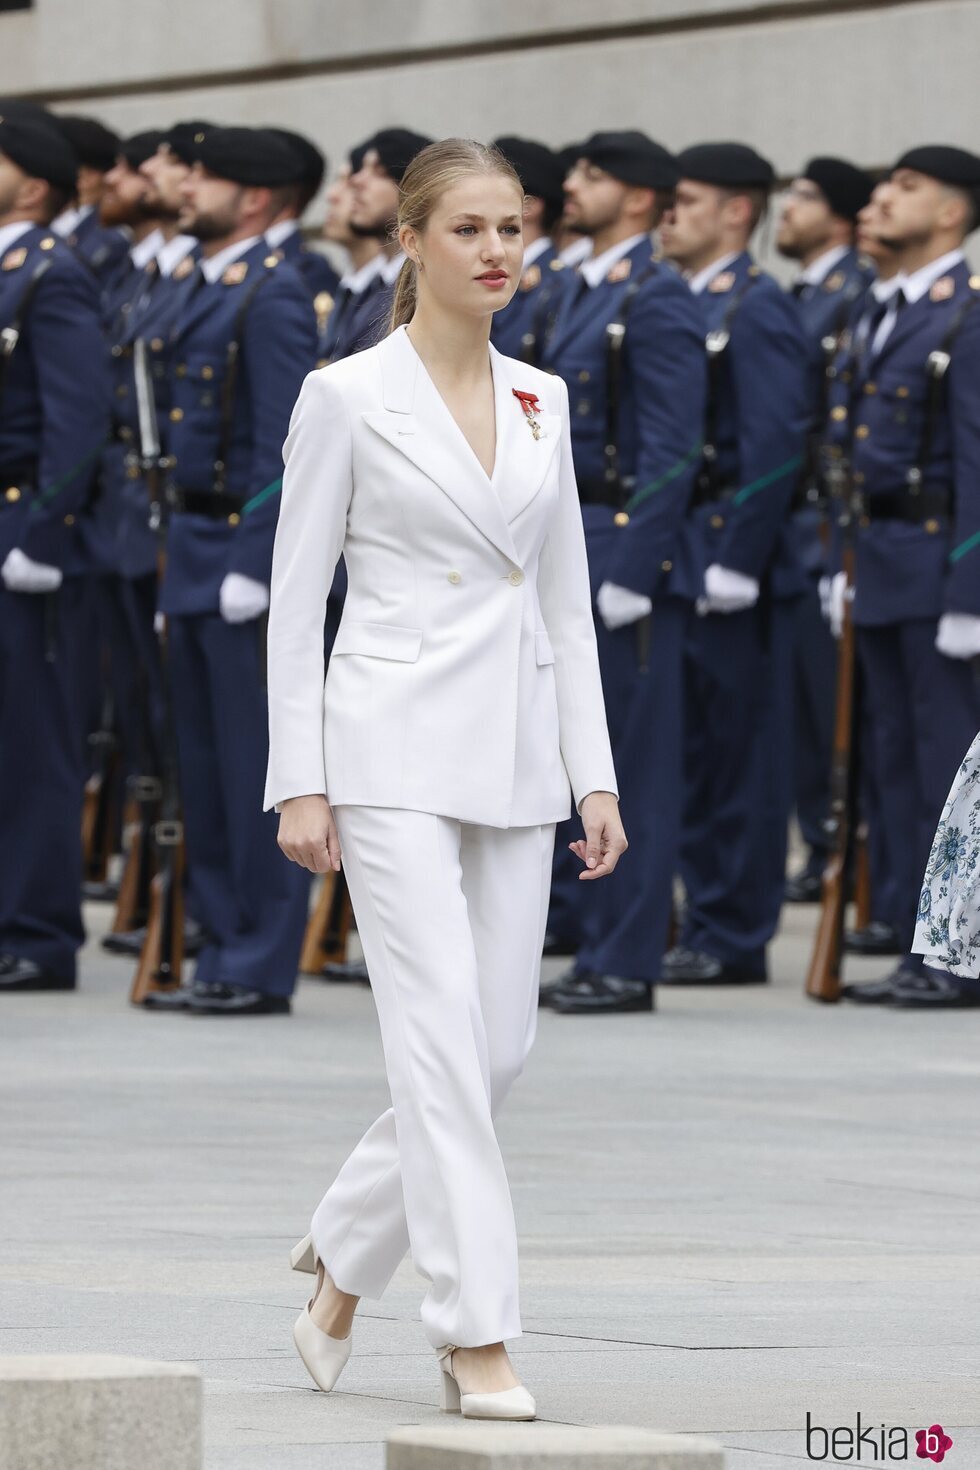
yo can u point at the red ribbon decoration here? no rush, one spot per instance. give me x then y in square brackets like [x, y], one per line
[528, 401]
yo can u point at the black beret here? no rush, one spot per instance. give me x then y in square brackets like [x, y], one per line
[396, 147]
[39, 150]
[33, 111]
[96, 145]
[250, 156]
[541, 172]
[570, 154]
[140, 147]
[184, 138]
[631, 157]
[729, 165]
[939, 161]
[846, 189]
[311, 159]
[356, 157]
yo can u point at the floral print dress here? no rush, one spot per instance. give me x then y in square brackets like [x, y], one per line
[947, 930]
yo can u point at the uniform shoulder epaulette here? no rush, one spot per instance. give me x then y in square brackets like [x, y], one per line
[656, 257]
[974, 283]
[557, 264]
[942, 289]
[14, 259]
[721, 283]
[834, 282]
[235, 273]
[620, 271]
[531, 278]
[271, 261]
[755, 270]
[183, 268]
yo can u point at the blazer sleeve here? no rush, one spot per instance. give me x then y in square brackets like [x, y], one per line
[563, 592]
[317, 485]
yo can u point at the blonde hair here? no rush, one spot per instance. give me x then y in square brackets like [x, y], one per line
[432, 171]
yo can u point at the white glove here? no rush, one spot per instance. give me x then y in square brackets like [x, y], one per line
[727, 591]
[619, 606]
[823, 591]
[242, 598]
[20, 574]
[958, 635]
[838, 595]
[159, 623]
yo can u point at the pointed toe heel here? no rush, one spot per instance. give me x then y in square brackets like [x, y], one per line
[506, 1403]
[323, 1355]
[302, 1257]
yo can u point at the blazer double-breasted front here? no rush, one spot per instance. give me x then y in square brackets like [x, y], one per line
[464, 677]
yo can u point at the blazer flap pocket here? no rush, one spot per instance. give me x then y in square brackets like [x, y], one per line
[380, 640]
[543, 650]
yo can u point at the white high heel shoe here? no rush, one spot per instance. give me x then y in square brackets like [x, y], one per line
[302, 1257]
[324, 1356]
[506, 1403]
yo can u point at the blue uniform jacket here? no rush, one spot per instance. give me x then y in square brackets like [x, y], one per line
[315, 269]
[761, 421]
[102, 248]
[905, 570]
[524, 311]
[661, 419]
[278, 346]
[54, 409]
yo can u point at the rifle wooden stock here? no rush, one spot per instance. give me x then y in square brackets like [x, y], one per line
[823, 977]
[162, 956]
[862, 878]
[325, 940]
[133, 904]
[99, 800]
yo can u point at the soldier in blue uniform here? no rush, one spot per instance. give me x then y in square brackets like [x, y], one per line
[628, 341]
[817, 229]
[361, 251]
[284, 233]
[242, 343]
[102, 247]
[912, 424]
[53, 421]
[738, 668]
[517, 330]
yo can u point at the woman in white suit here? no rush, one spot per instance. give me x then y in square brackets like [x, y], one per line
[461, 709]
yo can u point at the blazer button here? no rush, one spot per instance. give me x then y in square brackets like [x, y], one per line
[515, 578]
[716, 522]
[621, 518]
[455, 577]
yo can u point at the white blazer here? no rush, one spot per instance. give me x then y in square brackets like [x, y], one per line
[464, 678]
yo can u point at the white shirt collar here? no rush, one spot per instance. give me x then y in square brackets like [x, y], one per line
[701, 280]
[356, 281]
[818, 270]
[68, 221]
[389, 268]
[578, 251]
[883, 291]
[278, 233]
[10, 233]
[147, 249]
[597, 266]
[918, 283]
[172, 253]
[537, 247]
[214, 268]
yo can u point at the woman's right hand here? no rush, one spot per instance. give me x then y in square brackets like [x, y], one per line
[308, 833]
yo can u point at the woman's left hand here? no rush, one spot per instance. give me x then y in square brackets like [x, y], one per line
[605, 841]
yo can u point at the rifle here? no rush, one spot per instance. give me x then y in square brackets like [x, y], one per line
[325, 940]
[99, 802]
[823, 977]
[162, 955]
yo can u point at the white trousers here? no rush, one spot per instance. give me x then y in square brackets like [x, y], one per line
[451, 916]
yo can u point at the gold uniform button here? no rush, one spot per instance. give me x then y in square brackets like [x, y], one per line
[870, 388]
[515, 578]
[584, 375]
[12, 494]
[838, 414]
[455, 577]
[133, 472]
[666, 566]
[176, 414]
[207, 372]
[234, 518]
[862, 431]
[716, 522]
[583, 406]
[48, 243]
[901, 392]
[156, 344]
[181, 370]
[932, 527]
[621, 518]
[69, 520]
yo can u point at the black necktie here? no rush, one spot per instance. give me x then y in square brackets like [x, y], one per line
[800, 289]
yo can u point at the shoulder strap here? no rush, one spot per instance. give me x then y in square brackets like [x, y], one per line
[936, 367]
[615, 337]
[232, 359]
[10, 335]
[716, 345]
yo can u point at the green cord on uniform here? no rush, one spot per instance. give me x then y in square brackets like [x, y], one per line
[765, 480]
[965, 546]
[261, 496]
[665, 479]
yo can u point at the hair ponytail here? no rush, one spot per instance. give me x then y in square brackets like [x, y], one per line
[432, 171]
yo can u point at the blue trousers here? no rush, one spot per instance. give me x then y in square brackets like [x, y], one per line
[42, 774]
[815, 668]
[738, 671]
[252, 902]
[923, 714]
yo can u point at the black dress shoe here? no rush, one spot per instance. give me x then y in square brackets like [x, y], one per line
[178, 999]
[567, 980]
[93, 892]
[693, 967]
[875, 938]
[557, 947]
[603, 995]
[878, 992]
[350, 970]
[929, 990]
[130, 942]
[806, 886]
[21, 974]
[232, 1000]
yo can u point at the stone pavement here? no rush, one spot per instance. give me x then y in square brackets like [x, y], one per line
[735, 1210]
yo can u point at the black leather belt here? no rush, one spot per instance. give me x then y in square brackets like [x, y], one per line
[705, 494]
[595, 490]
[218, 505]
[903, 505]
